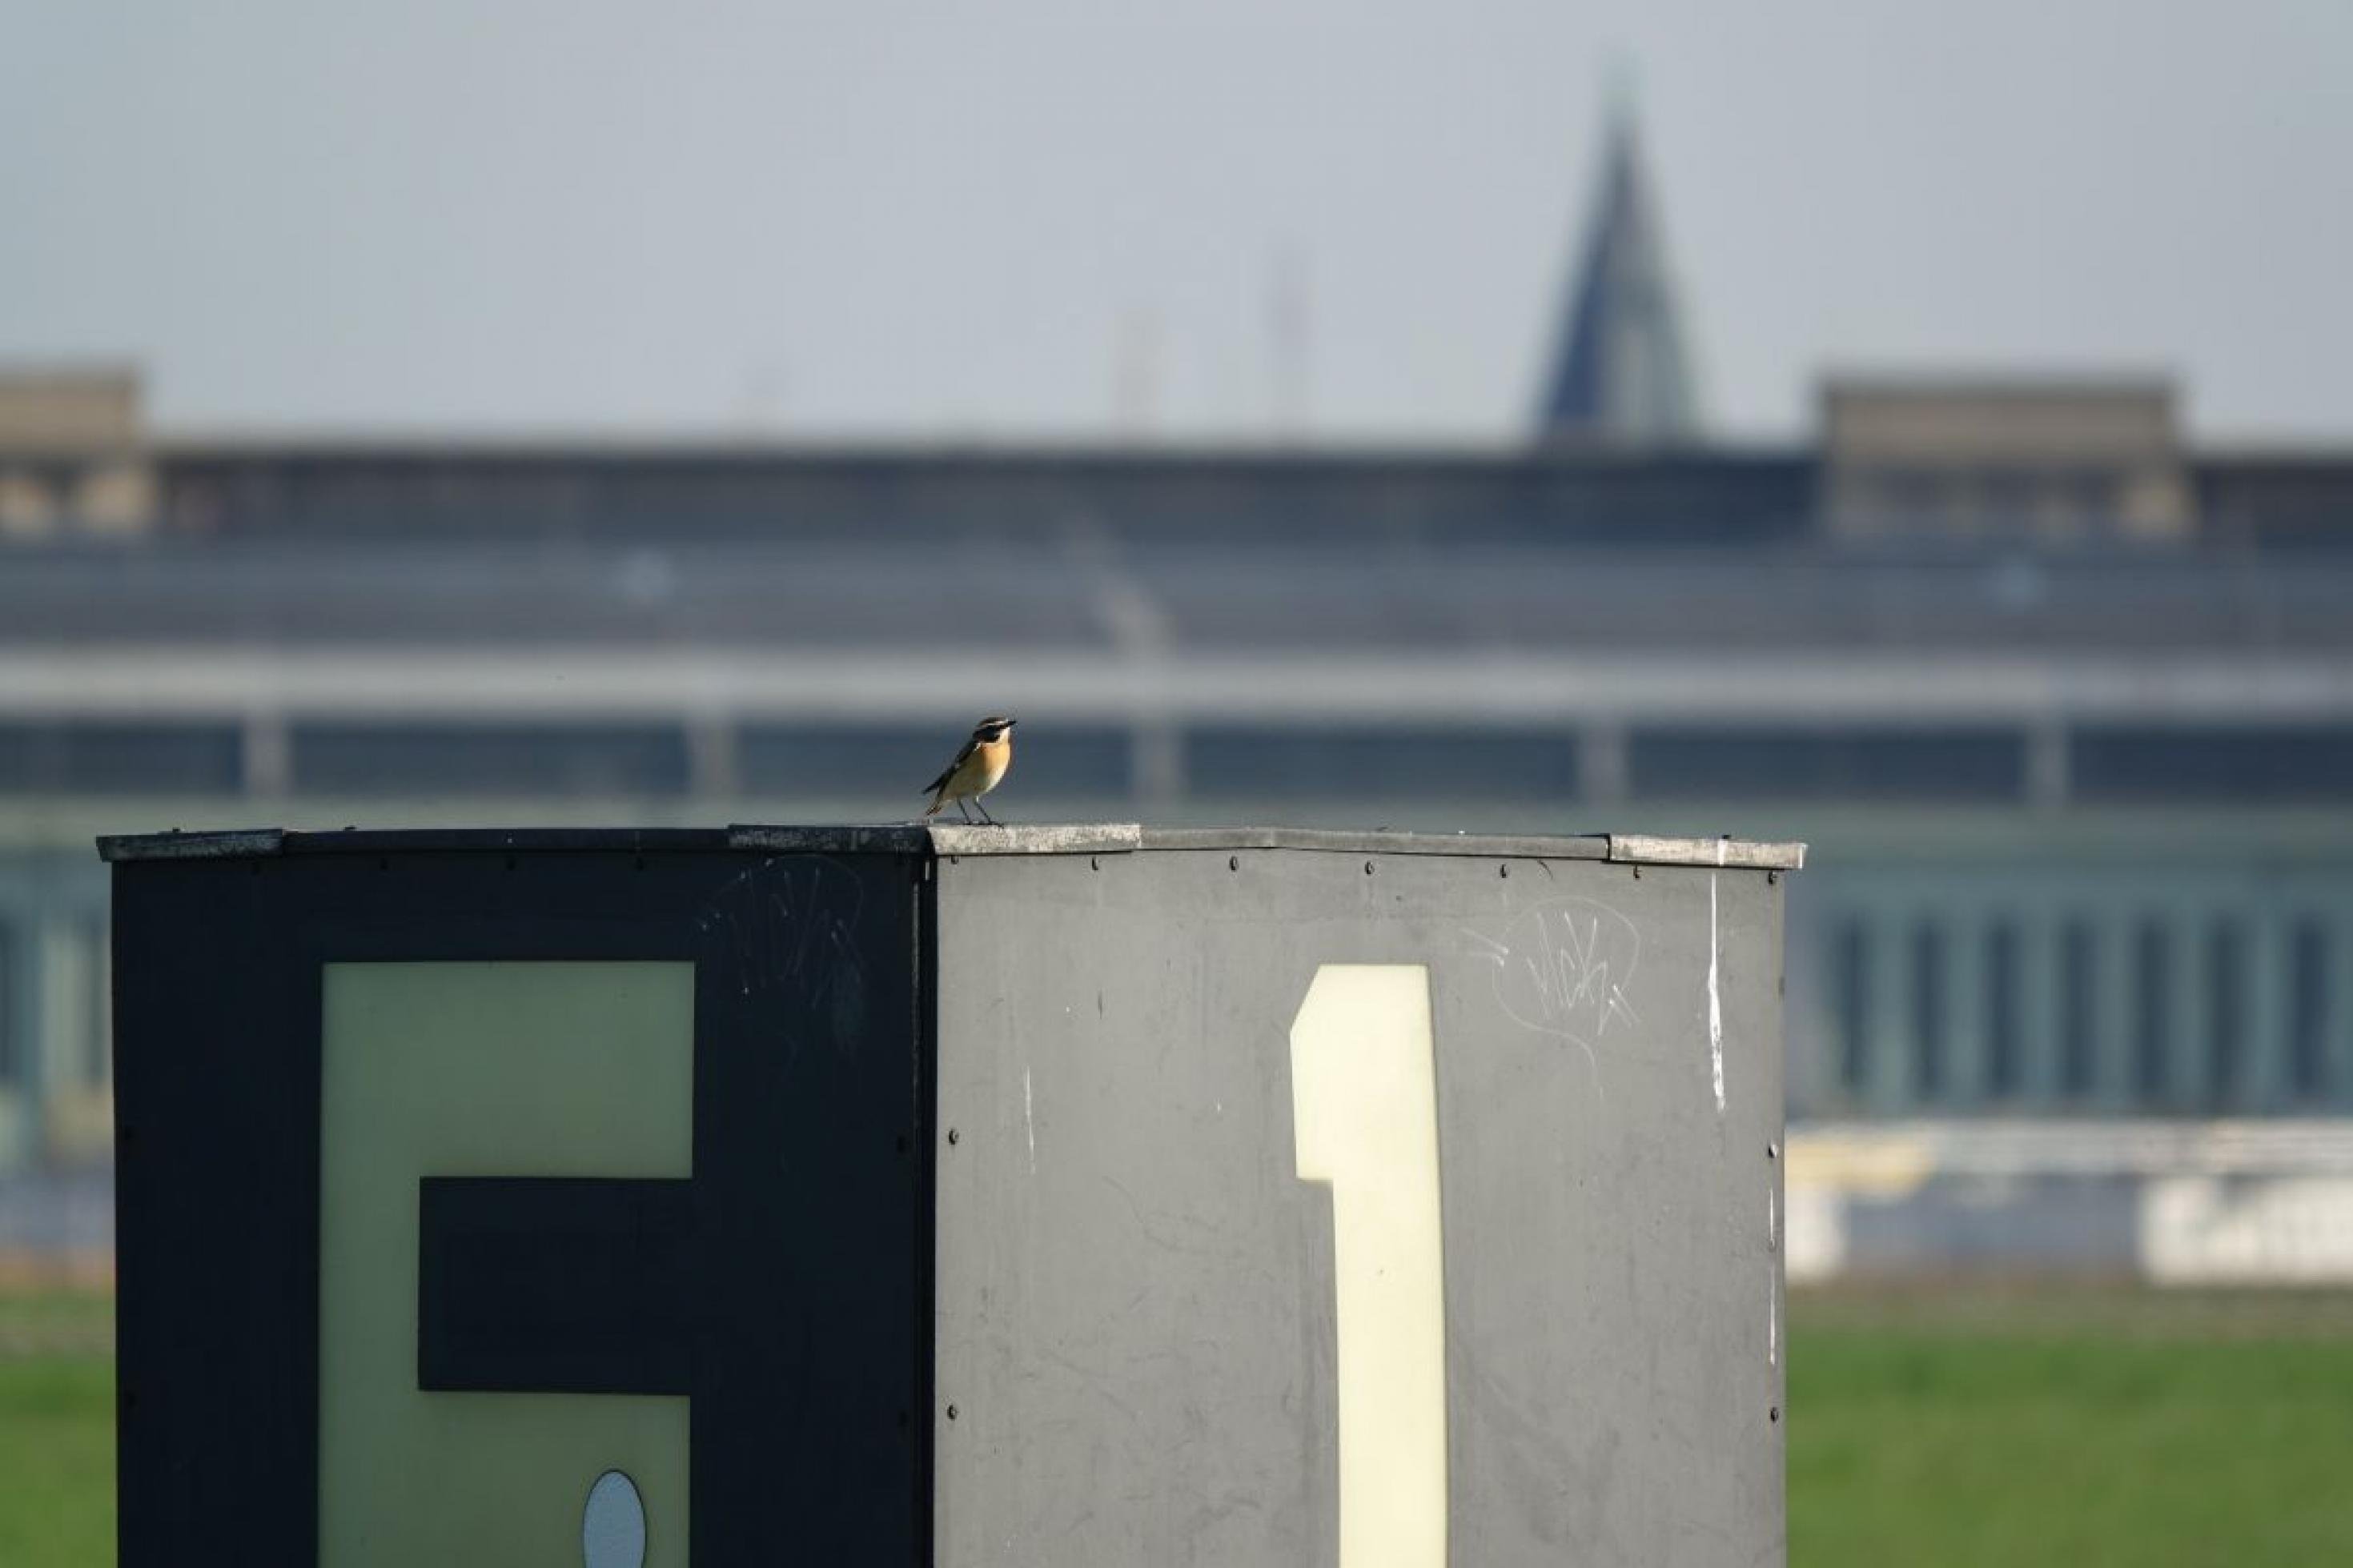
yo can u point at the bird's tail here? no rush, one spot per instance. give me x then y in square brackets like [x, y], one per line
[938, 801]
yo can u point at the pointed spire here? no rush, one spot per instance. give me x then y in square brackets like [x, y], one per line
[1620, 372]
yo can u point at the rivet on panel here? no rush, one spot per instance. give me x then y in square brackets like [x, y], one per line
[954, 1136]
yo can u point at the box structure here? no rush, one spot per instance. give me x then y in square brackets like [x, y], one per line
[1078, 1196]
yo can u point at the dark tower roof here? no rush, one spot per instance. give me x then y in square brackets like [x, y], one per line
[1620, 372]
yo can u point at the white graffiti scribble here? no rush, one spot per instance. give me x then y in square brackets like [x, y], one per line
[1565, 968]
[789, 926]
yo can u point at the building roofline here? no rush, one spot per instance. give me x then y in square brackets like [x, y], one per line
[1548, 451]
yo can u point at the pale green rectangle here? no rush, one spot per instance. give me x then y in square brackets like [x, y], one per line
[483, 1070]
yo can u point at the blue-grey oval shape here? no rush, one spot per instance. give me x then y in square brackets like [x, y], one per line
[613, 1524]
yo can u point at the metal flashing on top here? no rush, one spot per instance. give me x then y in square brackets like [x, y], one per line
[1043, 838]
[785, 838]
[178, 846]
[942, 838]
[1380, 841]
[953, 838]
[1645, 850]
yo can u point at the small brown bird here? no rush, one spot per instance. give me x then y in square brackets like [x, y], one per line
[978, 769]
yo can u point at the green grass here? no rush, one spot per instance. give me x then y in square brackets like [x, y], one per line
[57, 1459]
[2078, 1429]
[57, 1430]
[56, 1322]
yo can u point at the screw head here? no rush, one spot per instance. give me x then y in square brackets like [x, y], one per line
[954, 1136]
[952, 1411]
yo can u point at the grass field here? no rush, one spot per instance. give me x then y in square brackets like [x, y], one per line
[57, 1430]
[2083, 1429]
[1927, 1427]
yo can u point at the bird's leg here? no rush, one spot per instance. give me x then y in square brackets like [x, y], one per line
[983, 807]
[961, 810]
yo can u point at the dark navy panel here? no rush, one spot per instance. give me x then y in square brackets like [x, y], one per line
[533, 1285]
[810, 1204]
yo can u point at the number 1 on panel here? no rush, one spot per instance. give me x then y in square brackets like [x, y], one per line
[1363, 1096]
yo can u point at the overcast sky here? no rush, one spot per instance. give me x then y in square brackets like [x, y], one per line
[1028, 218]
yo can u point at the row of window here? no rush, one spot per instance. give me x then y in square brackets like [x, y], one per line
[2122, 765]
[13, 1063]
[86, 1061]
[2206, 1057]
[2260, 1025]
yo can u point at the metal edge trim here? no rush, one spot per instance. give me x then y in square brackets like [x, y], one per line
[1044, 838]
[1052, 838]
[117, 848]
[1517, 846]
[1644, 849]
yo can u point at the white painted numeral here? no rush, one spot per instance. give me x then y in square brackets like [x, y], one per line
[1364, 1103]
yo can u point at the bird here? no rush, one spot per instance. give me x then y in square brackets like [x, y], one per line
[978, 769]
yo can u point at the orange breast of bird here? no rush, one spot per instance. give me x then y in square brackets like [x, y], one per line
[989, 761]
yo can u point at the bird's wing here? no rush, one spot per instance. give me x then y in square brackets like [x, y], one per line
[949, 772]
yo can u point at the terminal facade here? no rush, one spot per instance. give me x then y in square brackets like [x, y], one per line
[2062, 698]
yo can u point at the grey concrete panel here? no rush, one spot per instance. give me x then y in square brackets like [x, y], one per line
[1135, 1290]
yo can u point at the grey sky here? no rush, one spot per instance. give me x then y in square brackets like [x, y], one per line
[916, 219]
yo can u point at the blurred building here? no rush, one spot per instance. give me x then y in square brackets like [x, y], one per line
[2071, 722]
[70, 452]
[2065, 703]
